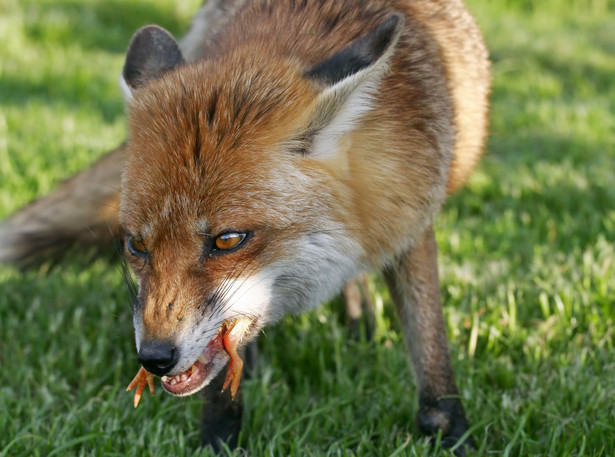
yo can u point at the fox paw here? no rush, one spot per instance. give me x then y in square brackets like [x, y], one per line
[446, 416]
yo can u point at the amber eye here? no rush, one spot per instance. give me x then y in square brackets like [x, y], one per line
[137, 247]
[228, 241]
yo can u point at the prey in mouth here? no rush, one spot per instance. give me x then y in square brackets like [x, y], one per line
[221, 349]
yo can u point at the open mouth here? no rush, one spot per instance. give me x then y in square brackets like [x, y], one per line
[217, 353]
[200, 373]
[222, 349]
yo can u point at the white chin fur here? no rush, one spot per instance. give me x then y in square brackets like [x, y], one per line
[324, 262]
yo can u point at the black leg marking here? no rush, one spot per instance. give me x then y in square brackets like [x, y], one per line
[221, 416]
[445, 415]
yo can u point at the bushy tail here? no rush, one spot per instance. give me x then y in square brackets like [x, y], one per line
[82, 213]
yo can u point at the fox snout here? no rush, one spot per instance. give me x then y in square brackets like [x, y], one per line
[158, 357]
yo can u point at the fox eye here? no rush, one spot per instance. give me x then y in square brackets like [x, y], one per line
[229, 241]
[137, 247]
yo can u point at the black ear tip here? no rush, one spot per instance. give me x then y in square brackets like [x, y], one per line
[153, 40]
[388, 29]
[360, 54]
[393, 22]
[152, 52]
[150, 34]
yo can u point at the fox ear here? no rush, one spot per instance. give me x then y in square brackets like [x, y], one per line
[152, 52]
[349, 80]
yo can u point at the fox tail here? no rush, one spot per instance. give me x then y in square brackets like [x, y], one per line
[82, 213]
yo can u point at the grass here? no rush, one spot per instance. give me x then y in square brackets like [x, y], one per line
[526, 255]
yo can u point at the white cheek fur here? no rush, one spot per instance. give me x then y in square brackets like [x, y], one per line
[322, 263]
[249, 296]
[241, 297]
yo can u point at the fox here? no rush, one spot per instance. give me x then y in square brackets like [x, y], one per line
[275, 154]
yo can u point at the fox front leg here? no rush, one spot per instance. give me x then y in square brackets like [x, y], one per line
[221, 417]
[414, 286]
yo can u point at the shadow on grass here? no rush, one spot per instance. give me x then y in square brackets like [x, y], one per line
[60, 91]
[544, 159]
[575, 76]
[98, 24]
[544, 184]
[93, 25]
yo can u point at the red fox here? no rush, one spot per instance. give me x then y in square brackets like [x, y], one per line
[276, 153]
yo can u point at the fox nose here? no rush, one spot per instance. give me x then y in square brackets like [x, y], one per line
[157, 357]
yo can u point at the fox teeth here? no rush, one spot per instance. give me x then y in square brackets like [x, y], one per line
[180, 377]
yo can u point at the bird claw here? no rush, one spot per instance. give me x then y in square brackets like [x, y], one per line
[142, 378]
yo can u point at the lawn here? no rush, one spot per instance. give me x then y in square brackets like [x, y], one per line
[526, 260]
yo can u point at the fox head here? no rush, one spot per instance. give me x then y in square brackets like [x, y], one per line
[233, 199]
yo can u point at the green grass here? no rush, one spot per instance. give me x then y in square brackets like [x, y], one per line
[526, 254]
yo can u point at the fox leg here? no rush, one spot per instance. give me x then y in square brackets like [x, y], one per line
[222, 415]
[414, 286]
[359, 308]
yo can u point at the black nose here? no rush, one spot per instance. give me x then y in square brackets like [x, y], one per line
[157, 357]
